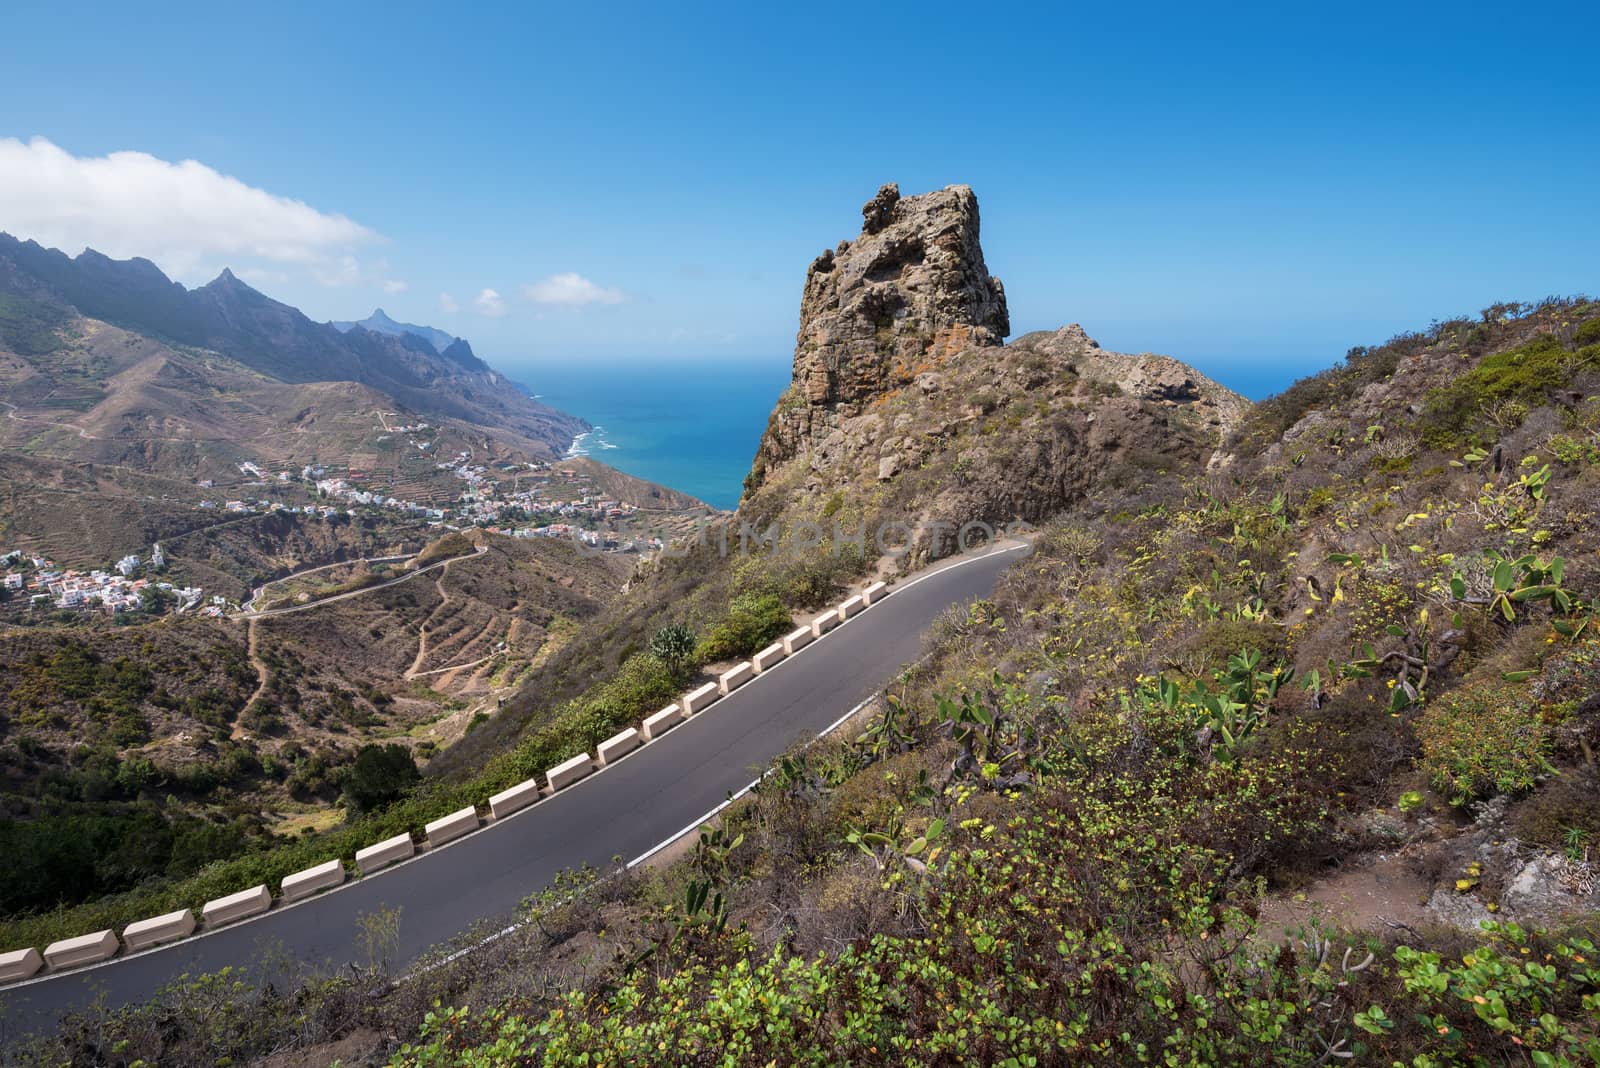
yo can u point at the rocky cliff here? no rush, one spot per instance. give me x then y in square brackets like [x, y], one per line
[905, 400]
[911, 286]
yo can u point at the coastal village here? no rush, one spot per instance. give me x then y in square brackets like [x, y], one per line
[36, 582]
[520, 500]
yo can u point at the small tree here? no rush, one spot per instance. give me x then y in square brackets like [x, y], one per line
[380, 774]
[674, 645]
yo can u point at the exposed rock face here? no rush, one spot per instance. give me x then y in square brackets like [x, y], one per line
[912, 286]
[906, 405]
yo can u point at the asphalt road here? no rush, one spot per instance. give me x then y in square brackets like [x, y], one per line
[625, 810]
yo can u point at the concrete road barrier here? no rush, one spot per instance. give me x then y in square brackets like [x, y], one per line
[662, 722]
[447, 828]
[385, 853]
[305, 883]
[793, 643]
[513, 799]
[158, 929]
[249, 902]
[695, 700]
[85, 949]
[851, 606]
[767, 657]
[19, 964]
[874, 593]
[569, 771]
[824, 623]
[735, 677]
[617, 745]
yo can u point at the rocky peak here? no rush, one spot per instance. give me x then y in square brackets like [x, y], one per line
[912, 287]
[227, 281]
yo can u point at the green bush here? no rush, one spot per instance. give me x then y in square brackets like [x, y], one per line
[1215, 640]
[1483, 740]
[1522, 376]
[642, 685]
[753, 621]
[381, 774]
[452, 544]
[674, 646]
[69, 856]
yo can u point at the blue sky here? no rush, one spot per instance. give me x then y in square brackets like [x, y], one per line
[1252, 190]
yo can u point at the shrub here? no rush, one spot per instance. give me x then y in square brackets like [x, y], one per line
[1558, 808]
[1483, 740]
[1518, 379]
[643, 684]
[381, 774]
[452, 544]
[673, 645]
[1215, 640]
[753, 621]
[30, 327]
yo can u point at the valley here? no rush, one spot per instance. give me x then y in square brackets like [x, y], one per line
[548, 536]
[1329, 658]
[225, 578]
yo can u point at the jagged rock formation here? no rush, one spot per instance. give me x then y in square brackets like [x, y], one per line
[904, 399]
[913, 284]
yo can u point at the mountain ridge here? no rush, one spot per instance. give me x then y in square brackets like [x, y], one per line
[228, 316]
[379, 322]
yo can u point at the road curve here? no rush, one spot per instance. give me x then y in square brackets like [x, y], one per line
[256, 593]
[625, 810]
[268, 613]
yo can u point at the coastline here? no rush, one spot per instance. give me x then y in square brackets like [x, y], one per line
[581, 444]
[692, 428]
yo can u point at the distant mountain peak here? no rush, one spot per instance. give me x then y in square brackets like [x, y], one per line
[441, 342]
[228, 281]
[418, 367]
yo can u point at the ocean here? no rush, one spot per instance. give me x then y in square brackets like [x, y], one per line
[693, 427]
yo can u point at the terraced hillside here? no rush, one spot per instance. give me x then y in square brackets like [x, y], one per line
[248, 724]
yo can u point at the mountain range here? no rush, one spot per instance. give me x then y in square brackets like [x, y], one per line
[1276, 747]
[44, 288]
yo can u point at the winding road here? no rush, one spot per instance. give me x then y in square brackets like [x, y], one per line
[630, 809]
[268, 613]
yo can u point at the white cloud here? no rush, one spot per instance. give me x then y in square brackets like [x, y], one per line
[571, 288]
[490, 303]
[185, 216]
[260, 276]
[448, 304]
[345, 271]
[394, 285]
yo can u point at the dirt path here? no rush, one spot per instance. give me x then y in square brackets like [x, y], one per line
[1382, 893]
[12, 414]
[452, 667]
[261, 677]
[415, 670]
[422, 631]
